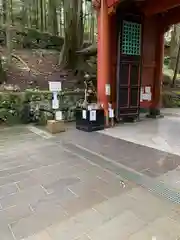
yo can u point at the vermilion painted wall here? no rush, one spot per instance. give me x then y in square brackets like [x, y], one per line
[151, 51]
[113, 56]
[149, 55]
[112, 2]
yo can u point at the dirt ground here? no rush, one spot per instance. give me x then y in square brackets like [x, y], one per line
[36, 67]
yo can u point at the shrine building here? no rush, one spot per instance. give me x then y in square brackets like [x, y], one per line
[130, 53]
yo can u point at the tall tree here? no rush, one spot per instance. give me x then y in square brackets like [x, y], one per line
[73, 33]
[9, 29]
[176, 70]
[174, 45]
[52, 17]
[4, 4]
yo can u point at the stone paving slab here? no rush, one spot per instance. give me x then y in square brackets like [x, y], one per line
[172, 179]
[45, 190]
[42, 184]
[117, 218]
[13, 214]
[41, 236]
[119, 227]
[37, 221]
[5, 232]
[161, 228]
[140, 158]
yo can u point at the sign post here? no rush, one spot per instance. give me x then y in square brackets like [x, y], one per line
[56, 125]
[56, 87]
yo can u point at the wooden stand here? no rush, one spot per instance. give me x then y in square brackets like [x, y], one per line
[54, 126]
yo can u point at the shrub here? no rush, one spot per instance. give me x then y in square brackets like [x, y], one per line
[170, 99]
[35, 106]
[167, 80]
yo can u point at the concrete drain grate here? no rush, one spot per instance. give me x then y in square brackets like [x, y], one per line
[152, 185]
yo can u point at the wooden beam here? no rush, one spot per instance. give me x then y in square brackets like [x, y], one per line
[154, 6]
[112, 3]
[171, 17]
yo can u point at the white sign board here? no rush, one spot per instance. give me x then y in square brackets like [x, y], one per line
[92, 115]
[108, 89]
[55, 101]
[148, 89]
[141, 94]
[145, 94]
[58, 115]
[111, 113]
[84, 114]
[55, 86]
[55, 104]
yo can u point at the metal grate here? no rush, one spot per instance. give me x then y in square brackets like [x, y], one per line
[152, 185]
[131, 41]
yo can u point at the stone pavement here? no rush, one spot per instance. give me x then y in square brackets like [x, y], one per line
[50, 191]
[160, 134]
[146, 160]
[171, 112]
[133, 215]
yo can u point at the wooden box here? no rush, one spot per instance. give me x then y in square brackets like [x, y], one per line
[54, 126]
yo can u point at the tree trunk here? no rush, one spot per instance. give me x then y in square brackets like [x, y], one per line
[61, 23]
[4, 10]
[2, 73]
[176, 70]
[29, 14]
[174, 44]
[8, 30]
[40, 15]
[92, 29]
[52, 17]
[24, 14]
[73, 33]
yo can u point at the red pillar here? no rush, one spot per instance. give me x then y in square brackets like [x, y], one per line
[113, 58]
[157, 86]
[103, 56]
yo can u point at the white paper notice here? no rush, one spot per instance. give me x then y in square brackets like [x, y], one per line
[55, 86]
[147, 89]
[84, 114]
[55, 95]
[89, 107]
[141, 95]
[55, 104]
[150, 96]
[108, 89]
[92, 116]
[58, 115]
[111, 113]
[147, 96]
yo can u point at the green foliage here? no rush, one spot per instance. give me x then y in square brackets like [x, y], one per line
[166, 61]
[35, 106]
[32, 38]
[10, 107]
[2, 72]
[2, 37]
[36, 39]
[170, 99]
